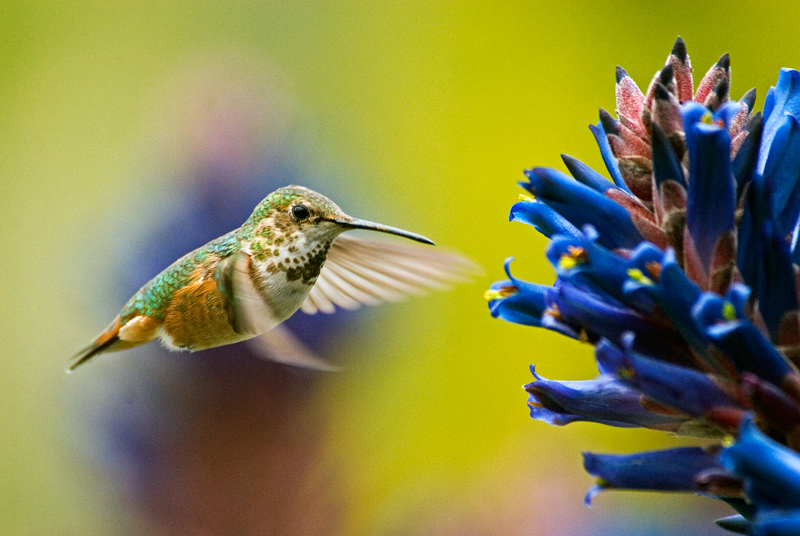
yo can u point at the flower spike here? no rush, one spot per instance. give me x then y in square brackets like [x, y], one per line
[683, 271]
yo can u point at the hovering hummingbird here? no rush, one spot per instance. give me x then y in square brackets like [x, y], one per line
[288, 255]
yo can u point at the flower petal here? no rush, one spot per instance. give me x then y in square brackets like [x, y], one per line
[676, 295]
[775, 288]
[782, 100]
[678, 387]
[517, 301]
[589, 264]
[580, 205]
[771, 471]
[662, 470]
[587, 175]
[604, 317]
[608, 157]
[777, 523]
[709, 213]
[543, 218]
[782, 170]
[602, 400]
[741, 341]
[757, 211]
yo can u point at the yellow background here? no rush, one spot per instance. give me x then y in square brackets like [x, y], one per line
[432, 109]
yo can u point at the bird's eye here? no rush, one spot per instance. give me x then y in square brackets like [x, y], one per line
[300, 213]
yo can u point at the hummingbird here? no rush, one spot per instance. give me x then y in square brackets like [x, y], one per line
[288, 255]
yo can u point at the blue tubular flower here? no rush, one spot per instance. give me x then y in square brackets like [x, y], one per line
[747, 347]
[683, 389]
[583, 262]
[604, 400]
[757, 214]
[608, 157]
[675, 294]
[765, 258]
[662, 470]
[681, 271]
[517, 301]
[737, 524]
[581, 204]
[709, 214]
[586, 175]
[777, 523]
[771, 471]
[782, 100]
[776, 287]
[782, 169]
[771, 474]
[543, 218]
[598, 316]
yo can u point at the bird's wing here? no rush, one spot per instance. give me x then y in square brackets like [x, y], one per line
[249, 314]
[279, 344]
[242, 301]
[363, 271]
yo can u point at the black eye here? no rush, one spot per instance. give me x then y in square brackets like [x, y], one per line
[300, 213]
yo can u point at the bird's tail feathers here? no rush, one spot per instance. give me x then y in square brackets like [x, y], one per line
[102, 343]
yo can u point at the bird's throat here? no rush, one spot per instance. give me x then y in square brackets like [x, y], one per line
[286, 274]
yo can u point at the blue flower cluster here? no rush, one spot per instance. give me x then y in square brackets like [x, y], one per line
[682, 271]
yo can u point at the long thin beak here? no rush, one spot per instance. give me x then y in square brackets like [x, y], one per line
[370, 226]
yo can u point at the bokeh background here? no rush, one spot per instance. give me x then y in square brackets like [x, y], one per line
[125, 128]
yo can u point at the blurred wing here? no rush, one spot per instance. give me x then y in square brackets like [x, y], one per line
[279, 344]
[249, 314]
[362, 271]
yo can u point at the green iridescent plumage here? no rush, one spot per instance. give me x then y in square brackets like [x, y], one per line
[151, 299]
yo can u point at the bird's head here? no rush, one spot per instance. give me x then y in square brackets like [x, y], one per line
[296, 210]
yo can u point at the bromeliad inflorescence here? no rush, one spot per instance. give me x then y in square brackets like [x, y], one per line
[682, 271]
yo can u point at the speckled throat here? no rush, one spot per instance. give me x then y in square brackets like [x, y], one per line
[286, 263]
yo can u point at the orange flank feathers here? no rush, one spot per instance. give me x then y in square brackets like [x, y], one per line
[197, 317]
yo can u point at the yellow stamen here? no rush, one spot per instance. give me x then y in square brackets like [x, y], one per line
[728, 311]
[499, 293]
[523, 197]
[566, 262]
[708, 119]
[575, 255]
[638, 276]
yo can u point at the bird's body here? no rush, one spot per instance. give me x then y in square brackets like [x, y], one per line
[250, 280]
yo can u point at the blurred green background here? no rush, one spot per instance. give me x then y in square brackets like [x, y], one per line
[430, 110]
